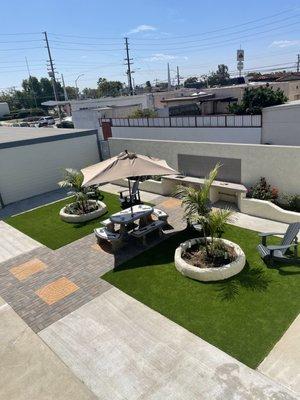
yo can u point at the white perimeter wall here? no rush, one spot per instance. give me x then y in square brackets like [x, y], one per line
[26, 171]
[223, 135]
[279, 164]
[281, 125]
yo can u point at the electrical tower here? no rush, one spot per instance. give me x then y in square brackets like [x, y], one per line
[178, 76]
[298, 63]
[128, 63]
[169, 77]
[30, 83]
[51, 73]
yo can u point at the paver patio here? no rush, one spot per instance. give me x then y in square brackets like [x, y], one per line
[80, 263]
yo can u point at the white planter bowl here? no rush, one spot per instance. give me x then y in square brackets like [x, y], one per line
[209, 274]
[75, 219]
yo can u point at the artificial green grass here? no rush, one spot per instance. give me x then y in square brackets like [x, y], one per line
[244, 316]
[44, 225]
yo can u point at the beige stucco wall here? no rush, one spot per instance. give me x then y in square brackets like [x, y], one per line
[279, 164]
[27, 171]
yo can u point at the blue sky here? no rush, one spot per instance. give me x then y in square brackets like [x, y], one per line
[86, 37]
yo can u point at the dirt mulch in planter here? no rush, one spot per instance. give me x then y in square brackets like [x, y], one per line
[197, 256]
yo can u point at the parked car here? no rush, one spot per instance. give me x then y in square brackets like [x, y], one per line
[45, 121]
[65, 124]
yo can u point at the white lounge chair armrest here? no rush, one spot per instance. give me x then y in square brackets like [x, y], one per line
[282, 247]
[262, 234]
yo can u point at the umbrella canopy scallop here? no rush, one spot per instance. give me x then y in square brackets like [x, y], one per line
[125, 165]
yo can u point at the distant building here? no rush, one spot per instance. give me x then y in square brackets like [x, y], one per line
[290, 88]
[4, 109]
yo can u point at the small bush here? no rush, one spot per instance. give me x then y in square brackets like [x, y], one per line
[291, 202]
[145, 113]
[263, 191]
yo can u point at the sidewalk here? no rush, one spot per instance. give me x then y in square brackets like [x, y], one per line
[283, 362]
[121, 349]
[29, 370]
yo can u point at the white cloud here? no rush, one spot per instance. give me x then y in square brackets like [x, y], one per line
[285, 43]
[142, 28]
[161, 57]
[164, 57]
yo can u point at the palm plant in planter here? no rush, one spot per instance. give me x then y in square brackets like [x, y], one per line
[196, 202]
[73, 179]
[198, 210]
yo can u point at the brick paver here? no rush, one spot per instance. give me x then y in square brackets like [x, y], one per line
[25, 270]
[81, 262]
[56, 290]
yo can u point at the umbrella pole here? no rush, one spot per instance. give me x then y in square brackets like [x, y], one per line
[130, 196]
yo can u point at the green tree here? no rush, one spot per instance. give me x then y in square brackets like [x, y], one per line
[90, 93]
[190, 81]
[255, 99]
[148, 86]
[71, 92]
[109, 88]
[219, 77]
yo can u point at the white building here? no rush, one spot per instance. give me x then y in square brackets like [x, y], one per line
[32, 160]
[4, 109]
[281, 124]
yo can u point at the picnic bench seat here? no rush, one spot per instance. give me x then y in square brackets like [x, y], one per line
[105, 235]
[108, 224]
[141, 233]
[160, 214]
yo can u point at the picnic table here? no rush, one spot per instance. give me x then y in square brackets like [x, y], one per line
[139, 212]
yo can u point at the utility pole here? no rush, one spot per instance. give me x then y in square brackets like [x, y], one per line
[64, 87]
[129, 63]
[29, 83]
[298, 63]
[178, 77]
[169, 78]
[52, 74]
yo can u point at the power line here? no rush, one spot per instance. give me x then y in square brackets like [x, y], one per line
[191, 41]
[227, 34]
[22, 48]
[240, 38]
[179, 36]
[20, 33]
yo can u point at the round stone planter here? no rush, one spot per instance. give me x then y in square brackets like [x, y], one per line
[76, 219]
[209, 274]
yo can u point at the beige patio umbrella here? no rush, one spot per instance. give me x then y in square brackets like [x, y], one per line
[125, 165]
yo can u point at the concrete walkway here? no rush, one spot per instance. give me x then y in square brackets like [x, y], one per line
[29, 370]
[259, 224]
[283, 362]
[32, 202]
[121, 349]
[13, 242]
